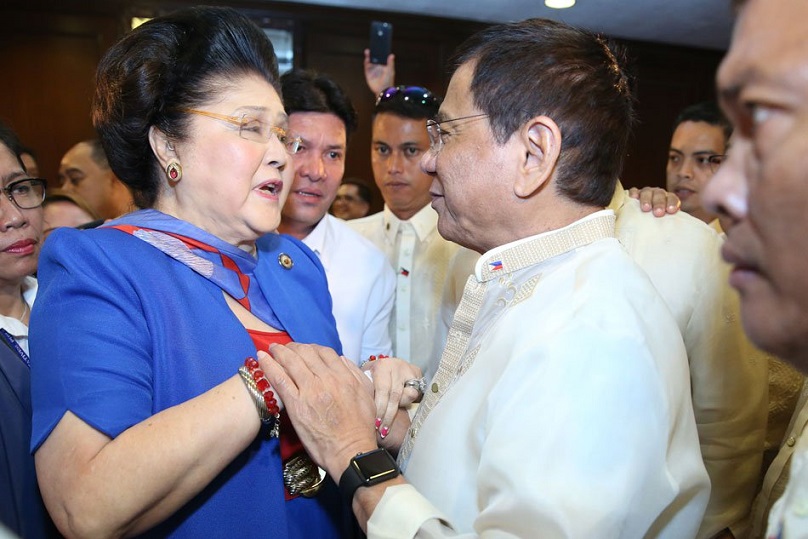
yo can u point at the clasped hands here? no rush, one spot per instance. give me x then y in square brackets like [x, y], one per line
[335, 408]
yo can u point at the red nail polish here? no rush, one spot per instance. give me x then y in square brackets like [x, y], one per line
[384, 432]
[378, 423]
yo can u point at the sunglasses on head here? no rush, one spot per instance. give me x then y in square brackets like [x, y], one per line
[414, 94]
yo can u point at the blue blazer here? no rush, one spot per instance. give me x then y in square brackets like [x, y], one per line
[121, 331]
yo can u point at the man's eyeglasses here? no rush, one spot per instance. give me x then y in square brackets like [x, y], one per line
[413, 94]
[715, 162]
[26, 194]
[436, 133]
[254, 129]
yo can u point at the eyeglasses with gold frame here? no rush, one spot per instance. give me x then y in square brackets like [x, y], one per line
[254, 129]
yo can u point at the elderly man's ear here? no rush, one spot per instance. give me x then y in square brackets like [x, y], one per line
[540, 141]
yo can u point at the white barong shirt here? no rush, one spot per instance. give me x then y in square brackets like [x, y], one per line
[561, 406]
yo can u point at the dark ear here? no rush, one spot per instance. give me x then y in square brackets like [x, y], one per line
[541, 139]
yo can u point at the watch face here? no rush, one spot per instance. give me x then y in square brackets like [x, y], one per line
[376, 466]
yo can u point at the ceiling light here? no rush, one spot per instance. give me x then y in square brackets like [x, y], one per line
[559, 4]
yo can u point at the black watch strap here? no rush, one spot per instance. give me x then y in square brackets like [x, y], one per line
[367, 469]
[349, 482]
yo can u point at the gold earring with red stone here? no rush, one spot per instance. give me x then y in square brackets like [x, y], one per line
[174, 171]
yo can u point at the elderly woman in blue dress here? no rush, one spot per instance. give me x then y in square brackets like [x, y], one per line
[150, 413]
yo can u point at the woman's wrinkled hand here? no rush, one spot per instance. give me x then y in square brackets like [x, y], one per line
[390, 393]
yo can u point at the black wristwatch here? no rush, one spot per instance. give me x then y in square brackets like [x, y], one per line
[367, 469]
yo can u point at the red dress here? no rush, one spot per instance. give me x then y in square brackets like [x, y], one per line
[262, 339]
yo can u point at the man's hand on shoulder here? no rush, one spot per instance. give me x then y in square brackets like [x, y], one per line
[656, 200]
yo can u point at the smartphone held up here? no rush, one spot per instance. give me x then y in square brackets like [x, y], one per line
[381, 42]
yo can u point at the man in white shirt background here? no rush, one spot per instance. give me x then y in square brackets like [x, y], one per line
[699, 141]
[352, 201]
[360, 279]
[724, 405]
[406, 230]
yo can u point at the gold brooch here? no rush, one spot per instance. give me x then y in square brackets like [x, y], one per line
[285, 261]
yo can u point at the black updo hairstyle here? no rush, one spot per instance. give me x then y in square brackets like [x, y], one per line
[177, 61]
[9, 139]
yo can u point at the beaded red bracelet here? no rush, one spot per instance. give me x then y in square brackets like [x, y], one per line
[261, 391]
[262, 384]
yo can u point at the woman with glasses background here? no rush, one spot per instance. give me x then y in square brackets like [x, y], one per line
[21, 508]
[149, 414]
